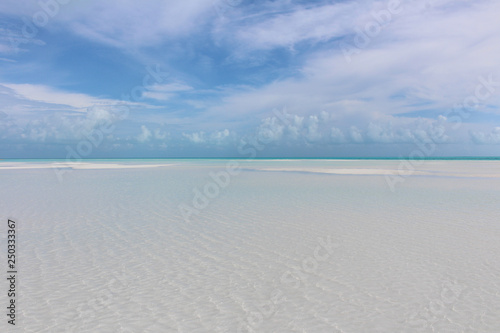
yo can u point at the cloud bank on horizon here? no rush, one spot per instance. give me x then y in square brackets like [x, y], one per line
[215, 77]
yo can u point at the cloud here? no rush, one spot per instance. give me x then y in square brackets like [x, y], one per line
[164, 92]
[355, 134]
[12, 40]
[170, 87]
[294, 129]
[215, 138]
[145, 134]
[198, 137]
[385, 133]
[270, 129]
[145, 24]
[159, 135]
[312, 130]
[49, 95]
[56, 128]
[322, 129]
[228, 71]
[337, 136]
[285, 25]
[424, 59]
[482, 138]
[219, 137]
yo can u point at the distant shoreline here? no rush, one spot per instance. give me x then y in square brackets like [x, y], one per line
[456, 158]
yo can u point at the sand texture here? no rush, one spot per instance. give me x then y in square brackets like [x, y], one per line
[279, 246]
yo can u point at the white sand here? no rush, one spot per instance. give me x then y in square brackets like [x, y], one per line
[74, 165]
[475, 169]
[107, 250]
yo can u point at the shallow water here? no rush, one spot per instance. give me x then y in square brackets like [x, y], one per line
[281, 246]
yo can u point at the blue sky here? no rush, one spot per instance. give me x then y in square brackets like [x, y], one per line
[193, 78]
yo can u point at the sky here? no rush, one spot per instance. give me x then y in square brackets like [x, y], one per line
[249, 79]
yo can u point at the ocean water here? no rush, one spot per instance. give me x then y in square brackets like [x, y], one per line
[269, 246]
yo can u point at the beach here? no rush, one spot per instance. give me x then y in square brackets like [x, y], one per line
[255, 245]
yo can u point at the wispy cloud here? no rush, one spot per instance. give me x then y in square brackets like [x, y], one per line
[228, 71]
[283, 25]
[45, 94]
[164, 92]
